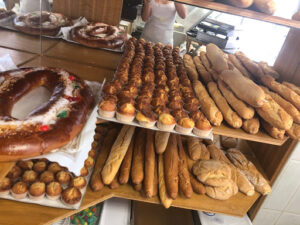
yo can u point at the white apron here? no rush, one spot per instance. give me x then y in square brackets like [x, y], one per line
[160, 25]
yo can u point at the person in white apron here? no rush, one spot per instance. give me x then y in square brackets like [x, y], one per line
[159, 16]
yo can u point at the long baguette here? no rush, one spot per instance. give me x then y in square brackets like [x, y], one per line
[251, 126]
[235, 61]
[161, 141]
[117, 154]
[208, 106]
[204, 60]
[149, 164]
[294, 132]
[292, 86]
[194, 148]
[171, 167]
[204, 74]
[268, 70]
[273, 131]
[126, 164]
[115, 183]
[253, 67]
[190, 67]
[216, 57]
[164, 198]
[155, 183]
[229, 115]
[96, 180]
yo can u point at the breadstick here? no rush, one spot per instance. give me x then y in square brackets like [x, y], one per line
[244, 111]
[230, 116]
[137, 168]
[294, 132]
[115, 184]
[198, 187]
[171, 167]
[96, 180]
[155, 183]
[216, 57]
[183, 173]
[204, 74]
[204, 60]
[251, 126]
[292, 86]
[208, 106]
[273, 131]
[117, 153]
[234, 60]
[149, 164]
[164, 198]
[190, 67]
[126, 164]
[194, 148]
[161, 141]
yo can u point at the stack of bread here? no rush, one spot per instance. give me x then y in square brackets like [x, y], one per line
[234, 93]
[171, 165]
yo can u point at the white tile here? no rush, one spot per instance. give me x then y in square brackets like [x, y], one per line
[296, 153]
[288, 219]
[294, 204]
[266, 217]
[285, 188]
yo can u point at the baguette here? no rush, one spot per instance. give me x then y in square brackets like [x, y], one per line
[137, 168]
[126, 164]
[205, 155]
[161, 141]
[234, 60]
[244, 111]
[292, 86]
[266, 6]
[204, 60]
[214, 74]
[204, 74]
[251, 126]
[138, 187]
[240, 3]
[251, 66]
[164, 198]
[190, 67]
[216, 57]
[282, 90]
[155, 183]
[117, 154]
[96, 180]
[194, 148]
[115, 184]
[248, 169]
[230, 116]
[208, 106]
[197, 186]
[268, 70]
[243, 87]
[294, 132]
[287, 106]
[183, 172]
[273, 131]
[171, 167]
[149, 164]
[228, 142]
[274, 114]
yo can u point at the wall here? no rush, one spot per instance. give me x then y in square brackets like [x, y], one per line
[282, 207]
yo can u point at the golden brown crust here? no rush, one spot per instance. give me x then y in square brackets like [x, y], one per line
[47, 177]
[15, 172]
[29, 176]
[166, 119]
[54, 167]
[40, 166]
[5, 184]
[84, 172]
[294, 132]
[186, 122]
[78, 182]
[71, 195]
[251, 126]
[204, 74]
[63, 177]
[126, 164]
[89, 162]
[25, 165]
[37, 189]
[19, 188]
[53, 189]
[149, 164]
[273, 131]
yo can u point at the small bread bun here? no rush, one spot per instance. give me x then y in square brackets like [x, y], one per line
[146, 93]
[54, 167]
[127, 109]
[14, 173]
[40, 166]
[78, 182]
[5, 185]
[47, 177]
[19, 190]
[175, 93]
[108, 105]
[93, 153]
[186, 122]
[125, 94]
[29, 176]
[195, 115]
[53, 190]
[157, 102]
[25, 165]
[111, 98]
[173, 105]
[63, 177]
[71, 196]
[179, 113]
[37, 190]
[146, 118]
[166, 122]
[84, 172]
[89, 162]
[125, 100]
[202, 123]
[109, 89]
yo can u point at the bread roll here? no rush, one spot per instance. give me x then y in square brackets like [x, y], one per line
[287, 106]
[117, 154]
[244, 111]
[243, 87]
[230, 116]
[240, 3]
[208, 106]
[251, 66]
[183, 172]
[274, 114]
[161, 141]
[251, 126]
[194, 148]
[234, 60]
[149, 164]
[228, 142]
[216, 57]
[268, 70]
[282, 90]
[164, 198]
[292, 86]
[198, 187]
[204, 74]
[126, 164]
[190, 67]
[266, 6]
[294, 132]
[273, 131]
[205, 155]
[222, 192]
[115, 184]
[204, 60]
[248, 169]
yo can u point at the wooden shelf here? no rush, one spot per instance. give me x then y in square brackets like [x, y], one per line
[242, 12]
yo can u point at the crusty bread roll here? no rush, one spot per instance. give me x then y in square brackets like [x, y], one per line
[236, 62]
[243, 87]
[198, 187]
[208, 106]
[273, 131]
[243, 110]
[294, 132]
[149, 164]
[266, 6]
[126, 164]
[117, 154]
[274, 114]
[287, 106]
[161, 141]
[292, 86]
[249, 170]
[222, 192]
[194, 148]
[228, 142]
[171, 167]
[268, 70]
[164, 198]
[216, 58]
[240, 3]
[204, 60]
[190, 67]
[229, 115]
[204, 74]
[251, 126]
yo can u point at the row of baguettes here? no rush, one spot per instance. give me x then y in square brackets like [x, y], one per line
[245, 93]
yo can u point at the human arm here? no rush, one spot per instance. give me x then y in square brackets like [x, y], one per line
[146, 11]
[181, 10]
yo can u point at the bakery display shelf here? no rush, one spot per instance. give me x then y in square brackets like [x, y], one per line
[241, 12]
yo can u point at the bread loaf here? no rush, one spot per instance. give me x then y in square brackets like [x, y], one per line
[208, 106]
[244, 111]
[190, 67]
[274, 114]
[216, 58]
[222, 192]
[294, 132]
[198, 187]
[149, 164]
[234, 60]
[204, 74]
[164, 198]
[228, 142]
[240, 3]
[268, 70]
[115, 184]
[254, 95]
[194, 148]
[273, 131]
[161, 141]
[251, 66]
[171, 167]
[117, 154]
[266, 6]
[230, 116]
[205, 155]
[292, 86]
[251, 126]
[248, 169]
[126, 164]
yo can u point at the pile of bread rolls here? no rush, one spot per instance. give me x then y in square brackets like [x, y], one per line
[265, 6]
[171, 165]
[244, 93]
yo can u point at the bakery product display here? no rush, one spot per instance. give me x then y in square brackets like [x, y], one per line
[63, 116]
[29, 176]
[41, 23]
[71, 196]
[53, 190]
[47, 177]
[19, 190]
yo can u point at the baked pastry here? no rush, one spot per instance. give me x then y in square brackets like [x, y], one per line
[5, 185]
[179, 113]
[71, 105]
[251, 126]
[166, 122]
[19, 190]
[37, 191]
[216, 57]
[92, 152]
[40, 166]
[99, 35]
[14, 173]
[54, 167]
[185, 125]
[273, 131]
[294, 132]
[47, 177]
[107, 108]
[63, 177]
[202, 126]
[71, 196]
[161, 109]
[53, 190]
[146, 117]
[29, 176]
[228, 142]
[126, 113]
[84, 172]
[89, 162]
[45, 23]
[78, 182]
[25, 165]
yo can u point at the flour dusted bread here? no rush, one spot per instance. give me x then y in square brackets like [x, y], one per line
[273, 131]
[216, 57]
[228, 142]
[222, 192]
